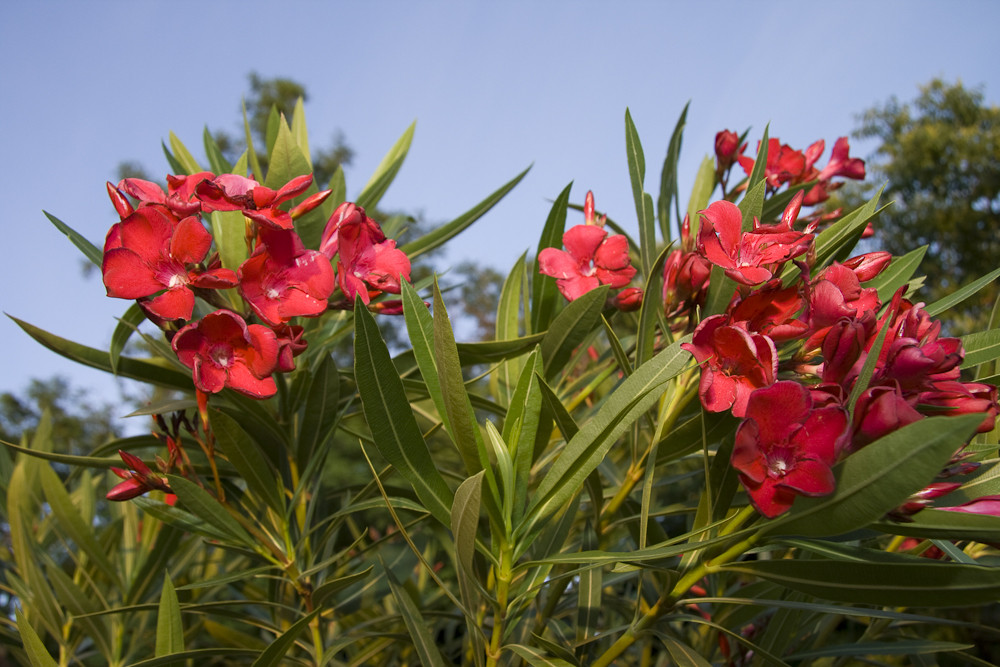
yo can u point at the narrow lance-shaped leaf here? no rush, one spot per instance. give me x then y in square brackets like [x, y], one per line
[521, 424]
[89, 250]
[960, 295]
[320, 412]
[244, 453]
[216, 161]
[701, 191]
[439, 235]
[668, 175]
[33, 645]
[169, 630]
[386, 171]
[573, 324]
[461, 422]
[286, 159]
[258, 173]
[507, 327]
[759, 171]
[299, 130]
[274, 654]
[206, 507]
[387, 411]
[588, 447]
[423, 642]
[128, 323]
[643, 202]
[923, 584]
[183, 156]
[544, 293]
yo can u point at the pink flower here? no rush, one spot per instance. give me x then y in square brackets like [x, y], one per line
[366, 258]
[749, 258]
[230, 192]
[146, 254]
[179, 198]
[282, 279]
[786, 447]
[224, 351]
[734, 364]
[784, 163]
[842, 164]
[591, 258]
[879, 411]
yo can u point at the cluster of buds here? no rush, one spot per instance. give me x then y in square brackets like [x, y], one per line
[592, 258]
[797, 415]
[159, 254]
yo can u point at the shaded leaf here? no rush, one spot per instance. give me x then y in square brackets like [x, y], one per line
[423, 641]
[169, 630]
[274, 654]
[244, 453]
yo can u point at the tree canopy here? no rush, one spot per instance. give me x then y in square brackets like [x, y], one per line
[940, 157]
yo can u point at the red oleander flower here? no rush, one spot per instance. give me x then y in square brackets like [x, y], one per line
[224, 351]
[748, 258]
[139, 479]
[291, 343]
[366, 258]
[147, 253]
[879, 411]
[230, 192]
[179, 197]
[784, 163]
[282, 279]
[771, 310]
[786, 447]
[733, 364]
[950, 397]
[628, 300]
[591, 258]
[842, 164]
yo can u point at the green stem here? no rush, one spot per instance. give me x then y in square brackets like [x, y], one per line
[668, 600]
[503, 590]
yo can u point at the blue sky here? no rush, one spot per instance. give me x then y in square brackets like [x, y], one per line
[493, 87]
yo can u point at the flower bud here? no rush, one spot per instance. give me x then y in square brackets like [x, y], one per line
[628, 299]
[869, 265]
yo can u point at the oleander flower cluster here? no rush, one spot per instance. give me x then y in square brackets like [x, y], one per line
[787, 354]
[160, 253]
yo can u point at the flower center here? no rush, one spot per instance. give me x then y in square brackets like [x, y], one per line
[222, 355]
[176, 280]
[273, 294]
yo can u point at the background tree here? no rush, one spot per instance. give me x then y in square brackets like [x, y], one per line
[940, 157]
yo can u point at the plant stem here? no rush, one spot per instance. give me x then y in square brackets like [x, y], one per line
[503, 589]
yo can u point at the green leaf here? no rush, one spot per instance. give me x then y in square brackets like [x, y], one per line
[643, 202]
[207, 508]
[274, 654]
[338, 189]
[216, 161]
[752, 204]
[867, 649]
[33, 644]
[274, 119]
[320, 413]
[958, 296]
[229, 232]
[258, 173]
[589, 584]
[925, 584]
[169, 629]
[132, 318]
[136, 369]
[535, 657]
[183, 156]
[386, 171]
[496, 350]
[584, 452]
[839, 239]
[878, 478]
[178, 518]
[71, 523]
[508, 326]
[461, 422]
[439, 235]
[332, 586]
[758, 173]
[244, 453]
[668, 175]
[682, 654]
[981, 347]
[299, 130]
[704, 184]
[69, 459]
[287, 161]
[521, 423]
[945, 525]
[201, 656]
[897, 274]
[175, 166]
[544, 294]
[89, 250]
[464, 527]
[570, 328]
[387, 411]
[423, 642]
[650, 312]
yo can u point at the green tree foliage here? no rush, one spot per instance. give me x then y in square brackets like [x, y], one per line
[940, 157]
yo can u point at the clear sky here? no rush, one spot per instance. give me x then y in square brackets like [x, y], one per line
[494, 87]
